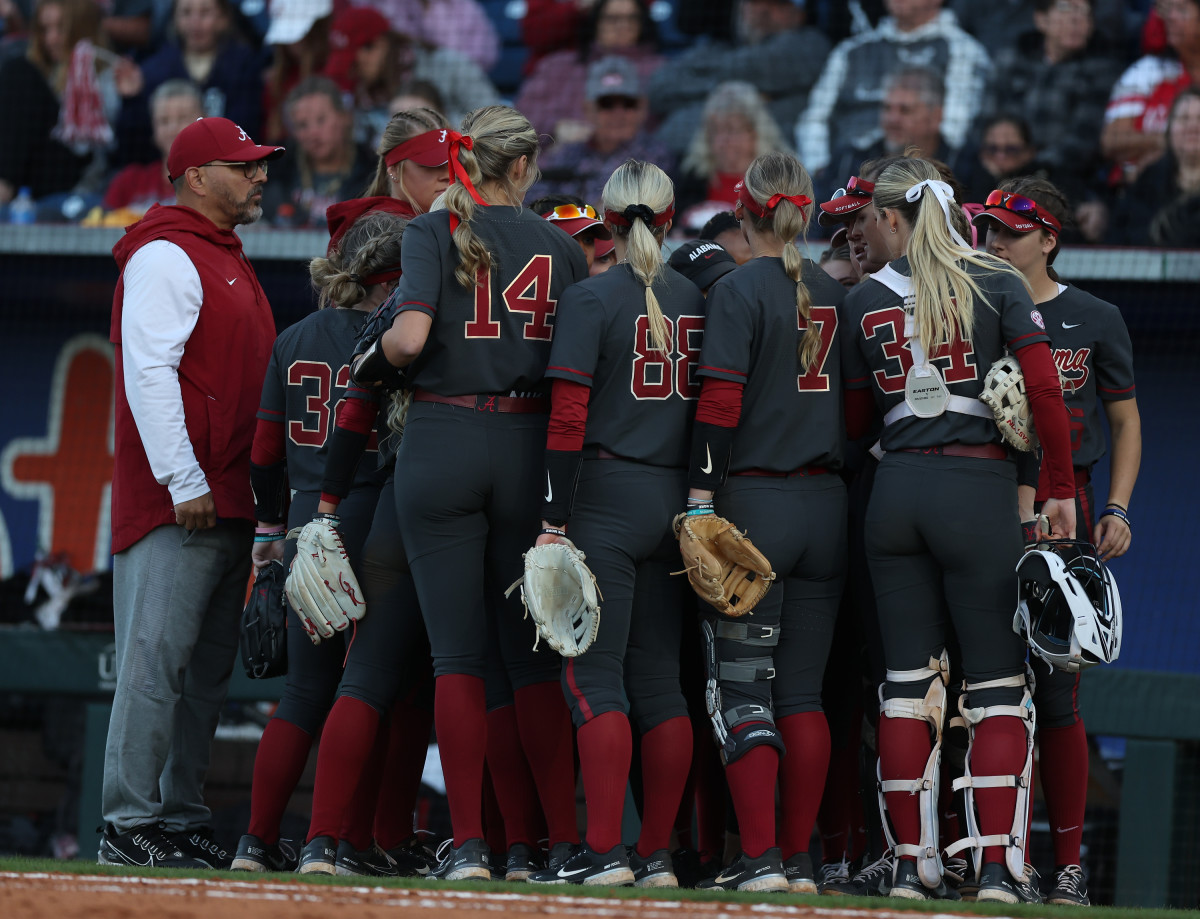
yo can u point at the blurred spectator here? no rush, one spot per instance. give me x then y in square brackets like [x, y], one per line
[726, 231]
[844, 106]
[324, 165]
[174, 105]
[1002, 24]
[616, 112]
[1162, 207]
[58, 102]
[370, 60]
[1136, 118]
[713, 18]
[1057, 79]
[837, 263]
[460, 25]
[775, 51]
[203, 47]
[413, 94]
[552, 25]
[575, 217]
[840, 19]
[1005, 150]
[298, 37]
[126, 24]
[733, 129]
[911, 116]
[552, 97]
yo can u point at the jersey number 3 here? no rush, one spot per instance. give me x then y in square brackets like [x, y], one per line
[529, 292]
[312, 429]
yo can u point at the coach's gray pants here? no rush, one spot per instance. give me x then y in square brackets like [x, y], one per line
[177, 601]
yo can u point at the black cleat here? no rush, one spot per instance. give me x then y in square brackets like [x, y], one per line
[833, 873]
[907, 885]
[873, 880]
[470, 861]
[586, 866]
[559, 853]
[764, 873]
[371, 862]
[199, 844]
[522, 861]
[1070, 887]
[996, 885]
[319, 856]
[655, 870]
[143, 847]
[255, 855]
[413, 858]
[799, 873]
[959, 874]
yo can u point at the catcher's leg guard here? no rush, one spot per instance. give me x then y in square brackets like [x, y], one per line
[756, 671]
[931, 709]
[1014, 840]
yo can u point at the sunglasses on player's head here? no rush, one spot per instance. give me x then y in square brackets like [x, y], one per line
[860, 188]
[1026, 207]
[571, 212]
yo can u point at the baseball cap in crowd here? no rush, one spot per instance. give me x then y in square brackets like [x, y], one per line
[208, 139]
[612, 76]
[291, 19]
[702, 262]
[845, 201]
[1017, 212]
[576, 219]
[353, 28]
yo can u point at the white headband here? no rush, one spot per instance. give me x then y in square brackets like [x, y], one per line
[945, 196]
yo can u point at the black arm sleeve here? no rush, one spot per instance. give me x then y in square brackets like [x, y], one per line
[270, 487]
[711, 447]
[345, 449]
[1029, 465]
[562, 475]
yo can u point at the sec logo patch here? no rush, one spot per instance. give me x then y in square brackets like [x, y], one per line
[1036, 316]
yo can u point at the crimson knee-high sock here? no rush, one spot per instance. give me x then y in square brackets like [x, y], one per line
[834, 815]
[685, 813]
[513, 782]
[998, 748]
[493, 819]
[460, 717]
[752, 786]
[545, 724]
[278, 764]
[605, 750]
[904, 746]
[666, 756]
[408, 735]
[1064, 769]
[344, 752]
[359, 819]
[802, 773]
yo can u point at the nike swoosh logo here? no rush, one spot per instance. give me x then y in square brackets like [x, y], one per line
[564, 873]
[549, 489]
[708, 457]
[230, 283]
[1071, 325]
[1067, 829]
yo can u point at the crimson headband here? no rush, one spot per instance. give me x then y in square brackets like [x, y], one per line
[380, 277]
[417, 149]
[640, 212]
[747, 199]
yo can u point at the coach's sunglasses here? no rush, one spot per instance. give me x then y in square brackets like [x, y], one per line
[572, 212]
[860, 188]
[249, 170]
[1026, 207]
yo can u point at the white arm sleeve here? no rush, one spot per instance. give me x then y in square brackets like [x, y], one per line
[162, 301]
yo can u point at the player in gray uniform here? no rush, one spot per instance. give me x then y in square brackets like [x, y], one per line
[942, 529]
[305, 381]
[1093, 352]
[770, 418]
[477, 300]
[624, 358]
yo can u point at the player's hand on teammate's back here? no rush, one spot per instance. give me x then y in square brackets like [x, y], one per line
[198, 513]
[1062, 518]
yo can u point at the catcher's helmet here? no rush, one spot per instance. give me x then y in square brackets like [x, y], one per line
[1068, 606]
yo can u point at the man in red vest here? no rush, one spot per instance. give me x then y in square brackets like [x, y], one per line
[193, 334]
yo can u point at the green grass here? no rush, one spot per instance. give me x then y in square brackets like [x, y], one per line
[26, 865]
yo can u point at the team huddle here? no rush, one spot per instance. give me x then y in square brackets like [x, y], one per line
[748, 507]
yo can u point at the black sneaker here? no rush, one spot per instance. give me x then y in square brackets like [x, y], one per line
[762, 873]
[559, 853]
[522, 861]
[1070, 887]
[371, 862]
[959, 874]
[996, 885]
[144, 847]
[470, 861]
[799, 873]
[586, 866]
[907, 885]
[832, 873]
[655, 870]
[199, 844]
[319, 856]
[873, 880]
[413, 858]
[255, 855]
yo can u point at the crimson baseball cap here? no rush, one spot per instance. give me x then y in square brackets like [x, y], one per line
[353, 28]
[854, 197]
[702, 262]
[208, 139]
